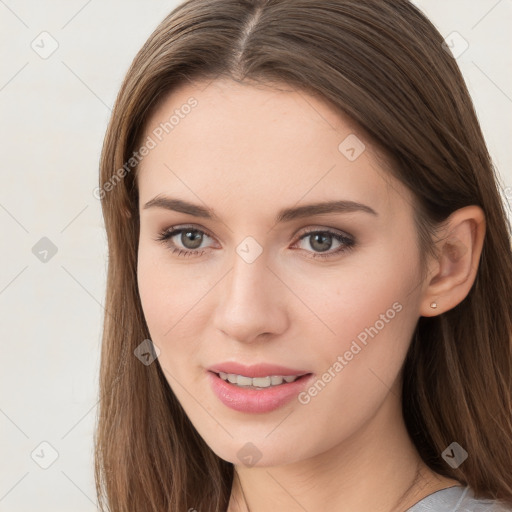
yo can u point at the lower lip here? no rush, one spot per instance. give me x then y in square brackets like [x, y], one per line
[256, 400]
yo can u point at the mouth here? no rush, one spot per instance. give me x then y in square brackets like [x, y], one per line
[260, 394]
[269, 381]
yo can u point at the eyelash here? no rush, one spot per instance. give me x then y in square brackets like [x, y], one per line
[165, 236]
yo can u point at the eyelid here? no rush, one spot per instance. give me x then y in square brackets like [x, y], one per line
[322, 229]
[301, 232]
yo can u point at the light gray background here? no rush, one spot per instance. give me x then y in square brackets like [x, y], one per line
[53, 115]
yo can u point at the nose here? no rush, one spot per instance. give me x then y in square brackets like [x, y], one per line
[252, 302]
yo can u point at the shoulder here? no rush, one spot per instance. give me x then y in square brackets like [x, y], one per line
[458, 499]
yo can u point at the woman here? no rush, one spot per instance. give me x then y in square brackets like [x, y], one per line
[310, 270]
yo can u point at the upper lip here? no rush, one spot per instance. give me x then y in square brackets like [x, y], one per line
[255, 370]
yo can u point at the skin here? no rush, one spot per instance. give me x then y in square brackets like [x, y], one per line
[246, 152]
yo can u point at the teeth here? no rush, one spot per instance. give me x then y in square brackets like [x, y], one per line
[258, 382]
[275, 380]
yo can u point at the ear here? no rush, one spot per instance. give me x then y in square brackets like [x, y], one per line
[453, 272]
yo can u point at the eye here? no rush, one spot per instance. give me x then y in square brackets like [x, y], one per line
[187, 243]
[322, 241]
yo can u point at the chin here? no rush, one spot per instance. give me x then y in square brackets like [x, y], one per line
[254, 454]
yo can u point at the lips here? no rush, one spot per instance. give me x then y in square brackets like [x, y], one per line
[256, 400]
[256, 370]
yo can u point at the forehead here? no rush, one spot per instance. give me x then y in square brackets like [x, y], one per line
[242, 146]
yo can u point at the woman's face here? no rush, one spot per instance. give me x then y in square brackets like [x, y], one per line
[255, 278]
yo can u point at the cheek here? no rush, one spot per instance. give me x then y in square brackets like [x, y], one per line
[153, 285]
[363, 294]
[369, 312]
[357, 368]
[164, 291]
[160, 300]
[171, 298]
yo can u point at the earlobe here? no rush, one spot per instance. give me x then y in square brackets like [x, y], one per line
[459, 250]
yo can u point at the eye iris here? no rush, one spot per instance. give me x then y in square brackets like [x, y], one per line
[322, 238]
[191, 236]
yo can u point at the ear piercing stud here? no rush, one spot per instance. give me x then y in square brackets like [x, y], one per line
[433, 305]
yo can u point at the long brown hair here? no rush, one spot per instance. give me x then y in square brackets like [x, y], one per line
[383, 64]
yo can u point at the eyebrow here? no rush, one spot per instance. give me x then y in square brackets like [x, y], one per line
[285, 215]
